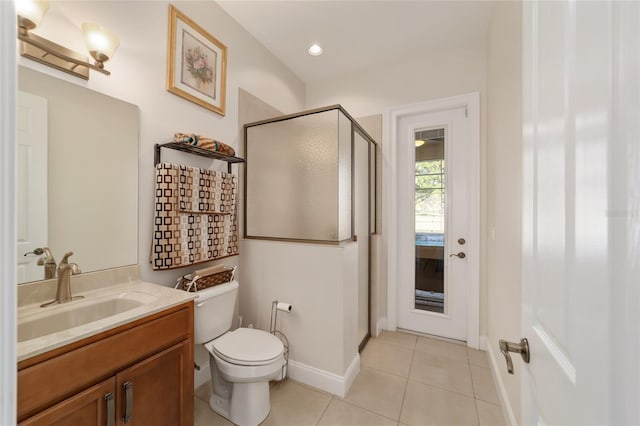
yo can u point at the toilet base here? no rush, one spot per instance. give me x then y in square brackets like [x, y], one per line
[245, 404]
[244, 415]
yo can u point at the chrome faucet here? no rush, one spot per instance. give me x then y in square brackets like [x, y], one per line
[65, 270]
[48, 261]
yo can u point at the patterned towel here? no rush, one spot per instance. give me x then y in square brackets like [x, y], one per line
[205, 143]
[207, 191]
[183, 238]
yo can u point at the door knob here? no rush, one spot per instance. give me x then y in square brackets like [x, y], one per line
[522, 348]
[461, 255]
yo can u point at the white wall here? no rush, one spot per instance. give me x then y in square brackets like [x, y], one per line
[504, 194]
[139, 77]
[427, 75]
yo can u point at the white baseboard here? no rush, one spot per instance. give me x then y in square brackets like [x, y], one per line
[496, 362]
[483, 343]
[351, 374]
[312, 376]
[381, 324]
[324, 380]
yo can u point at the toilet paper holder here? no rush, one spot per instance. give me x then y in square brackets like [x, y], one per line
[273, 329]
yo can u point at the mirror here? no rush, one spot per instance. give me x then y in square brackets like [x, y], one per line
[77, 176]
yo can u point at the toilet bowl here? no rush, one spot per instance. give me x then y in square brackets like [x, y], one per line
[242, 364]
[242, 361]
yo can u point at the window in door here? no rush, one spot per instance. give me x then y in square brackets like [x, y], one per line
[429, 220]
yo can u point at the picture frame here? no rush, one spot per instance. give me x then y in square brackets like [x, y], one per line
[196, 63]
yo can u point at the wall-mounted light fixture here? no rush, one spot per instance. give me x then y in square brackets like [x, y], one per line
[101, 43]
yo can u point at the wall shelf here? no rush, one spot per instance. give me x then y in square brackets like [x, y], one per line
[185, 147]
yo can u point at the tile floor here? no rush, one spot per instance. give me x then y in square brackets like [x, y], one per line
[404, 380]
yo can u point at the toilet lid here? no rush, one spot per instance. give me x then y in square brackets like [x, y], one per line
[248, 346]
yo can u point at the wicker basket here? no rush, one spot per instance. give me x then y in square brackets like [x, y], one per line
[187, 283]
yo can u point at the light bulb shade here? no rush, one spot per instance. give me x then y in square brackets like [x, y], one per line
[419, 142]
[101, 42]
[30, 12]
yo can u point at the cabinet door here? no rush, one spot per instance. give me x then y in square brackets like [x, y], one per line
[159, 390]
[93, 406]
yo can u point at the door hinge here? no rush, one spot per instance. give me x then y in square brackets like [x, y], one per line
[466, 113]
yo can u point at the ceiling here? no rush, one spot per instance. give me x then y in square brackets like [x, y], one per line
[357, 34]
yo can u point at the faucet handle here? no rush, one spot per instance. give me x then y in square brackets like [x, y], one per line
[75, 269]
[66, 256]
[37, 252]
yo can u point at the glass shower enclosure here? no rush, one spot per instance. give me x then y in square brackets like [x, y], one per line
[310, 179]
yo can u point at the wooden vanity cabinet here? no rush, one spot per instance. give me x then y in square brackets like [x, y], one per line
[88, 407]
[137, 374]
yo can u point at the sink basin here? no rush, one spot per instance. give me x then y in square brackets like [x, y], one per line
[62, 317]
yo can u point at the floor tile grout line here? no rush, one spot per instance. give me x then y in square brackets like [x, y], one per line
[377, 339]
[388, 372]
[475, 402]
[391, 344]
[475, 393]
[325, 410]
[473, 384]
[368, 410]
[406, 379]
[442, 388]
[404, 395]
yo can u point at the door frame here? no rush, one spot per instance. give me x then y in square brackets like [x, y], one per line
[8, 290]
[470, 101]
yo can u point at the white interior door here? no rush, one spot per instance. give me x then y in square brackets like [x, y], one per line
[581, 226]
[432, 280]
[31, 115]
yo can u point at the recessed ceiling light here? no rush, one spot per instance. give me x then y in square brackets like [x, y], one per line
[419, 142]
[314, 50]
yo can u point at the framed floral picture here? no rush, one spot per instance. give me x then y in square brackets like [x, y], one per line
[196, 63]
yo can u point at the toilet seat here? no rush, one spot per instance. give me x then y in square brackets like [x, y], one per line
[247, 346]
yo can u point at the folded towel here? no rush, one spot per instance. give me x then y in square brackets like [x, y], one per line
[209, 271]
[205, 143]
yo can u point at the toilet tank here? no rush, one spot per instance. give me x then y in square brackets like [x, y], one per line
[214, 308]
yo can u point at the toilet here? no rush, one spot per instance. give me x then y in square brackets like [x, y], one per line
[242, 361]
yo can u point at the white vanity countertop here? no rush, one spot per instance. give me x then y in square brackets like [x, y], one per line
[153, 298]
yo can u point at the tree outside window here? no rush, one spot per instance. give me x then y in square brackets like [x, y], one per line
[430, 196]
